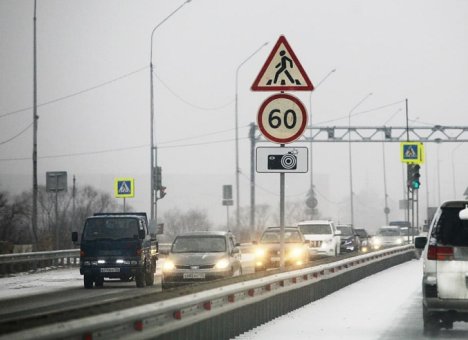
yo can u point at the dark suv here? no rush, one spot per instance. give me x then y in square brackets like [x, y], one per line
[445, 270]
[349, 239]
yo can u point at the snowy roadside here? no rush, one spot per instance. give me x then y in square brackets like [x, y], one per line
[44, 281]
[361, 311]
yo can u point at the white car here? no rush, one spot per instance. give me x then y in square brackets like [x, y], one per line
[388, 236]
[445, 267]
[323, 236]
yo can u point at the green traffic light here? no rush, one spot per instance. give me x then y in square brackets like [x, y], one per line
[415, 184]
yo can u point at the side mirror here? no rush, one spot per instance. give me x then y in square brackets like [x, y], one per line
[74, 237]
[254, 243]
[141, 234]
[338, 232]
[306, 241]
[235, 250]
[463, 214]
[420, 242]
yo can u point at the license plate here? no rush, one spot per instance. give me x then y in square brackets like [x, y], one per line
[194, 275]
[110, 270]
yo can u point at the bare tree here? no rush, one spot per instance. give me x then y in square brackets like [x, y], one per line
[15, 216]
[177, 222]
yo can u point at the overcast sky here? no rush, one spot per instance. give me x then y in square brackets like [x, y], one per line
[98, 129]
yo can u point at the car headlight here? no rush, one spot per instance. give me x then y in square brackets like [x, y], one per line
[222, 264]
[168, 266]
[377, 241]
[259, 252]
[399, 241]
[296, 252]
[326, 243]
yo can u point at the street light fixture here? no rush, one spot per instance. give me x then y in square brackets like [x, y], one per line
[350, 156]
[153, 147]
[237, 133]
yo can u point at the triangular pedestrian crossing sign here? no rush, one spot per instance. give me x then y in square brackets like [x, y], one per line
[282, 71]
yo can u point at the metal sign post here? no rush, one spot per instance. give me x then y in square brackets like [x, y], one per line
[227, 201]
[56, 181]
[282, 118]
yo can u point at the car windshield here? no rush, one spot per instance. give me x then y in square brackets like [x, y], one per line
[199, 244]
[345, 231]
[271, 236]
[110, 228]
[361, 232]
[315, 229]
[450, 230]
[389, 232]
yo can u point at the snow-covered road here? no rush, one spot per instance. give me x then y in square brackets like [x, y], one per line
[384, 306]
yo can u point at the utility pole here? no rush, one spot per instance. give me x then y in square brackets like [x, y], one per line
[35, 117]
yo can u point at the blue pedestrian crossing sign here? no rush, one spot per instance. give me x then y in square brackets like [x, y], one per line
[124, 187]
[412, 152]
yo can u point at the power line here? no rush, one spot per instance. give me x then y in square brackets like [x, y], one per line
[191, 104]
[200, 136]
[126, 75]
[75, 93]
[17, 135]
[360, 112]
[86, 153]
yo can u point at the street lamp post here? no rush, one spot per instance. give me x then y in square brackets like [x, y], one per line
[453, 172]
[311, 136]
[237, 133]
[153, 147]
[350, 156]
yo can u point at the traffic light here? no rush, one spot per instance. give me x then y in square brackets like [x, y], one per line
[158, 178]
[414, 176]
[162, 191]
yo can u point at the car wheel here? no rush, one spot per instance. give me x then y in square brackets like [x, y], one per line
[149, 276]
[88, 281]
[140, 279]
[99, 282]
[431, 323]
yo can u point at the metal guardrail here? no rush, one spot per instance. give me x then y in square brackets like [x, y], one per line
[225, 312]
[23, 262]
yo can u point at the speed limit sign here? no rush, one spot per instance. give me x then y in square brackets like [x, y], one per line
[282, 118]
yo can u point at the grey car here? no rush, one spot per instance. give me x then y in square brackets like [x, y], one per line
[201, 256]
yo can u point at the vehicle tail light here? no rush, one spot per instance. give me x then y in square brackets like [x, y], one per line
[440, 253]
[82, 253]
[138, 251]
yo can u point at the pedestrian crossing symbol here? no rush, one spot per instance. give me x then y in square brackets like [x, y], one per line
[412, 152]
[282, 71]
[124, 187]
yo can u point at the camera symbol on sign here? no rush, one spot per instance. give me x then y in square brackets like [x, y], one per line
[283, 162]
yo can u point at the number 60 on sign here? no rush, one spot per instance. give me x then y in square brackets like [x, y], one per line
[282, 118]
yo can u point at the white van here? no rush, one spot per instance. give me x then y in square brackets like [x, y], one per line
[323, 235]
